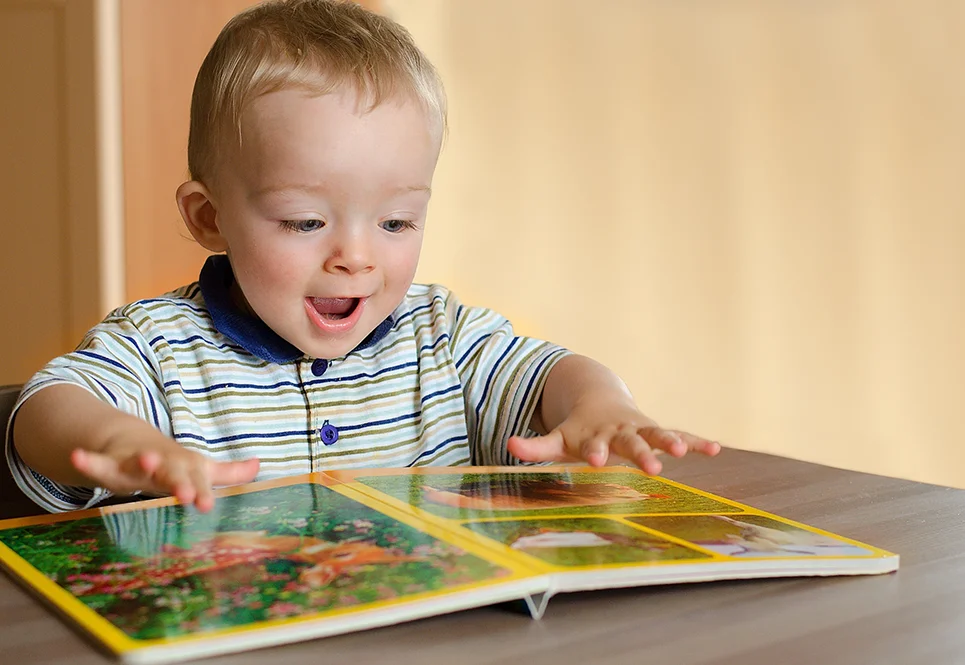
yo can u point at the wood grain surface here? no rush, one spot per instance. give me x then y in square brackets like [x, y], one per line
[913, 616]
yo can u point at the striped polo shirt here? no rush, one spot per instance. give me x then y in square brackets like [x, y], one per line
[437, 383]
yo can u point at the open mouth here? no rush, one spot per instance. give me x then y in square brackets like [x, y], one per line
[335, 316]
[335, 309]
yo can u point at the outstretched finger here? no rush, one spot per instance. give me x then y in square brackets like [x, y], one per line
[183, 488]
[664, 439]
[699, 444]
[634, 448]
[149, 462]
[200, 480]
[204, 497]
[175, 479]
[596, 451]
[103, 470]
[547, 448]
[233, 473]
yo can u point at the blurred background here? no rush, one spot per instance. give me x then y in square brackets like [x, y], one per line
[749, 209]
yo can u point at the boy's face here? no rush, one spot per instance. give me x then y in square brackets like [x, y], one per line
[322, 209]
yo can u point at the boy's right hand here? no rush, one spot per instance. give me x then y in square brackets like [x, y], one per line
[163, 467]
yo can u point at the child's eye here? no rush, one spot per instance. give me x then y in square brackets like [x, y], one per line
[397, 225]
[302, 225]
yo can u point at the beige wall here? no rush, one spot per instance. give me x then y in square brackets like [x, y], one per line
[750, 209]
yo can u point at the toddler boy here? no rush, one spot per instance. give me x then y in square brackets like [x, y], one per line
[304, 345]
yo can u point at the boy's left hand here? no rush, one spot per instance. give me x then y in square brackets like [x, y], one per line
[609, 431]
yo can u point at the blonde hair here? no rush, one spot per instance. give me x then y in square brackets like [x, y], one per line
[319, 45]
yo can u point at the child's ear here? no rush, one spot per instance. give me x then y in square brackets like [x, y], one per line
[200, 215]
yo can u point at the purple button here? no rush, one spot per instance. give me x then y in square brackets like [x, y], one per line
[319, 367]
[329, 433]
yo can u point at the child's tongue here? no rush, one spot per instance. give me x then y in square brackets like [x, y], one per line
[334, 308]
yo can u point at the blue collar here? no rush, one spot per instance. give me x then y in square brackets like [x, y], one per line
[251, 333]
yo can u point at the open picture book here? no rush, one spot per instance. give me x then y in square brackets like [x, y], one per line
[326, 553]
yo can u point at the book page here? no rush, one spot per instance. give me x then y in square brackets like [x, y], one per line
[269, 555]
[590, 519]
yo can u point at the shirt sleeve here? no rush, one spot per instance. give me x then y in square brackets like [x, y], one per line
[116, 364]
[502, 375]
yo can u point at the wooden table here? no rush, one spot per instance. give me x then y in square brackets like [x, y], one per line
[916, 615]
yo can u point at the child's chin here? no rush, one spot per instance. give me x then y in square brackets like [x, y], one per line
[336, 349]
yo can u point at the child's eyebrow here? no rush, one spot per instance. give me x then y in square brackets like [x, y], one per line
[395, 191]
[315, 189]
[419, 188]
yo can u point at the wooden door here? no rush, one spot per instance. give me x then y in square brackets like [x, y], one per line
[58, 158]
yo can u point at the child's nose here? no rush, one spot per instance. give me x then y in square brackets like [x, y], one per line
[351, 253]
